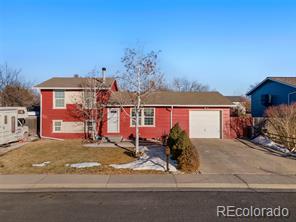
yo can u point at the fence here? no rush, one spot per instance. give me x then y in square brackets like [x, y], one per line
[289, 142]
[33, 123]
[240, 126]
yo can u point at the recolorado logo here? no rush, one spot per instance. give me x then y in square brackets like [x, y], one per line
[233, 211]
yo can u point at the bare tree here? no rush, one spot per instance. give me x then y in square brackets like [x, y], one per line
[90, 104]
[252, 86]
[184, 85]
[282, 122]
[14, 91]
[141, 77]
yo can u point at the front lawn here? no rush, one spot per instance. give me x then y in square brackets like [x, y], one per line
[60, 153]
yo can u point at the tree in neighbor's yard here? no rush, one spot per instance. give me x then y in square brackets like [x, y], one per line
[140, 77]
[282, 121]
[89, 105]
[185, 85]
[14, 91]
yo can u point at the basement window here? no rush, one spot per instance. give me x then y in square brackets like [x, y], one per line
[57, 126]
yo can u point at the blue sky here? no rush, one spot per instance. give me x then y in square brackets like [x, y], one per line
[226, 44]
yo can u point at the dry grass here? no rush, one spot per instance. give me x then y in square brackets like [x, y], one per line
[60, 153]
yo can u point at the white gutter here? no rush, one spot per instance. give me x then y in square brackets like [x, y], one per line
[67, 88]
[171, 117]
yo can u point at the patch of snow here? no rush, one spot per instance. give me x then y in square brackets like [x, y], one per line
[83, 165]
[44, 164]
[153, 158]
[265, 141]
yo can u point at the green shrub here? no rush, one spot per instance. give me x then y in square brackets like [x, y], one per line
[182, 142]
[188, 161]
[183, 150]
[173, 137]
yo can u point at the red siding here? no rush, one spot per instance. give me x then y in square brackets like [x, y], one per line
[114, 86]
[49, 114]
[162, 122]
[239, 126]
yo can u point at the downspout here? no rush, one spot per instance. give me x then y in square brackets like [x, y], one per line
[171, 117]
[40, 114]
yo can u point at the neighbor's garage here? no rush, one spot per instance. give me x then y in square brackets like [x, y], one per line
[204, 124]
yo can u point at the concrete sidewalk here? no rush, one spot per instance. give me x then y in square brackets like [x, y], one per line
[204, 181]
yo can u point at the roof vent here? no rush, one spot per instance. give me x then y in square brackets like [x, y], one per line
[76, 75]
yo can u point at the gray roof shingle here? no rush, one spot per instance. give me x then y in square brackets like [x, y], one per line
[173, 98]
[286, 80]
[71, 82]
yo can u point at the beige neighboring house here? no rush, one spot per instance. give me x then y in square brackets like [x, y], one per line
[242, 105]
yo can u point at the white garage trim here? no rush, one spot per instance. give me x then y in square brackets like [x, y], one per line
[200, 128]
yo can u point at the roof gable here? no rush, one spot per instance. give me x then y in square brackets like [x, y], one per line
[288, 81]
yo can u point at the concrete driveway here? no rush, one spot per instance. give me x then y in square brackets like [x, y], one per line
[234, 157]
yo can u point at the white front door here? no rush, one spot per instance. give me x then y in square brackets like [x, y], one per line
[113, 120]
[204, 124]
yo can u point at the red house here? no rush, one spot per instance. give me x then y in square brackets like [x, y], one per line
[202, 114]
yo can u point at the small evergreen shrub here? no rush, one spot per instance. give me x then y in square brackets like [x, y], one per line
[173, 138]
[183, 150]
[182, 143]
[188, 161]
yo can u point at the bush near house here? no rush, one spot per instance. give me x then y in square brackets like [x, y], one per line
[282, 123]
[172, 140]
[183, 150]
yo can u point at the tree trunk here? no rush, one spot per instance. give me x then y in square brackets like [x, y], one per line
[137, 124]
[94, 126]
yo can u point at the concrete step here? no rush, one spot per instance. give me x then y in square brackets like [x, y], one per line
[114, 139]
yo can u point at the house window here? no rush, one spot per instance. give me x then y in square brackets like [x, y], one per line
[134, 117]
[5, 120]
[90, 124]
[21, 122]
[146, 117]
[59, 99]
[57, 126]
[149, 117]
[266, 100]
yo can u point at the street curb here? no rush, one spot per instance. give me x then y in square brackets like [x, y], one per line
[8, 187]
[213, 185]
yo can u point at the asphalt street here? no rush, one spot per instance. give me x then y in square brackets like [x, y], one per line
[94, 206]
